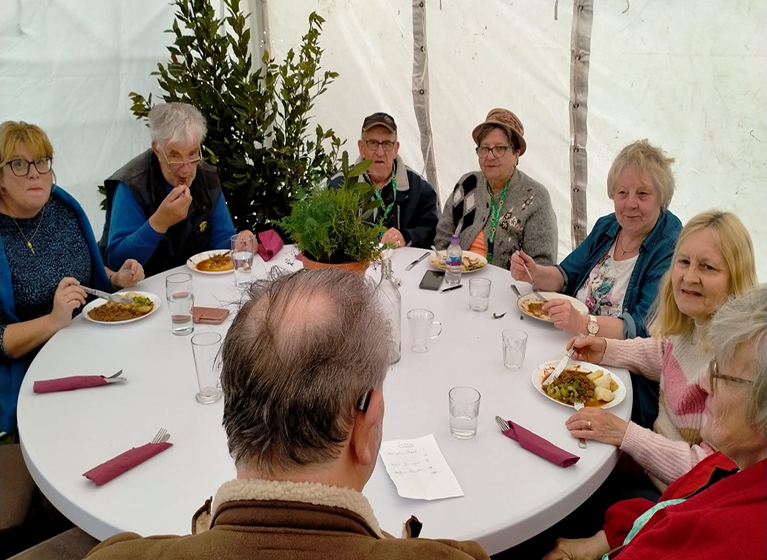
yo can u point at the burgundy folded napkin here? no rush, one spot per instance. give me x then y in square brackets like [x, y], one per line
[69, 383]
[269, 244]
[124, 462]
[541, 447]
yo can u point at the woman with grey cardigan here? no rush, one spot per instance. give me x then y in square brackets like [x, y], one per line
[500, 210]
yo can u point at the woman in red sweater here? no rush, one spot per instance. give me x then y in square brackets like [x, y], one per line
[719, 508]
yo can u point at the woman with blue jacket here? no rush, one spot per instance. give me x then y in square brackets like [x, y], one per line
[617, 268]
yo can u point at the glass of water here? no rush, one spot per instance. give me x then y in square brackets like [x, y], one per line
[205, 348]
[243, 250]
[179, 292]
[514, 346]
[464, 411]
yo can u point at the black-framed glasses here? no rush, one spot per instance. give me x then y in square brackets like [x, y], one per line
[176, 162]
[497, 151]
[372, 145]
[713, 373]
[20, 167]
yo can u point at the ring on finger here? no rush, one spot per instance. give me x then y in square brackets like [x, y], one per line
[588, 424]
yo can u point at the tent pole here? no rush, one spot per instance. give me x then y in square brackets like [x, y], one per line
[580, 52]
[421, 94]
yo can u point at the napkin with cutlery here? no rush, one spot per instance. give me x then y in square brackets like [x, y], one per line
[269, 244]
[124, 462]
[541, 447]
[73, 382]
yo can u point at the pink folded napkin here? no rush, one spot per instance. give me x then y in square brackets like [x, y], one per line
[269, 244]
[124, 462]
[541, 447]
[69, 383]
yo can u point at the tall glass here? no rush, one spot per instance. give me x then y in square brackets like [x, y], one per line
[179, 291]
[205, 347]
[243, 250]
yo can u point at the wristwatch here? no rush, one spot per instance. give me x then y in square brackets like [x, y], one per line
[593, 326]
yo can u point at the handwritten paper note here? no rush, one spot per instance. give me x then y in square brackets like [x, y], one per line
[418, 469]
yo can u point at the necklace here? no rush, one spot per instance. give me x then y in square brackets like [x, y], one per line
[624, 251]
[21, 231]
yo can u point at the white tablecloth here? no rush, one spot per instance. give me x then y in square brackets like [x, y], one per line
[511, 494]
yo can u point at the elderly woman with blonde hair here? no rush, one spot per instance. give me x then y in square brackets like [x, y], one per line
[617, 268]
[713, 260]
[716, 510]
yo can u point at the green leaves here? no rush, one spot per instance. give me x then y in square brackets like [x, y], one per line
[332, 225]
[259, 134]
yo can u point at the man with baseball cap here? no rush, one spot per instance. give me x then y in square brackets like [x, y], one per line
[409, 202]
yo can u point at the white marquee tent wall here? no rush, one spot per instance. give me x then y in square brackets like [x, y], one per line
[689, 75]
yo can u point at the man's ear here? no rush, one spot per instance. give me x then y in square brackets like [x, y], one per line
[365, 433]
[361, 146]
[155, 148]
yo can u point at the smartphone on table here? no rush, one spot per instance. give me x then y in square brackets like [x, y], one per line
[432, 280]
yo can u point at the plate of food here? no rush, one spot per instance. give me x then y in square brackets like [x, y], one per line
[472, 262]
[111, 313]
[211, 262]
[595, 385]
[532, 306]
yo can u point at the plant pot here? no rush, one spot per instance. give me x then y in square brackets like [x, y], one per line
[358, 267]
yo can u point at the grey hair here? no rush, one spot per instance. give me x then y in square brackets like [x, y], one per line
[743, 320]
[300, 353]
[649, 159]
[176, 122]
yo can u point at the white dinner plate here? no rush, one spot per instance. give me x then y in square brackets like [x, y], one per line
[544, 369]
[192, 261]
[99, 302]
[522, 302]
[437, 260]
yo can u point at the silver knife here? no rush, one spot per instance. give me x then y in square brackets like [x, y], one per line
[117, 298]
[562, 364]
[419, 259]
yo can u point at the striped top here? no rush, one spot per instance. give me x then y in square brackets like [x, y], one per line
[674, 445]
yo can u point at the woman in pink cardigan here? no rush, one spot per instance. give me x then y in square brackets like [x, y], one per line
[713, 259]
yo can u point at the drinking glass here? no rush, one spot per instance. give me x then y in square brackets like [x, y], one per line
[479, 294]
[421, 323]
[179, 291]
[464, 411]
[514, 345]
[205, 347]
[243, 250]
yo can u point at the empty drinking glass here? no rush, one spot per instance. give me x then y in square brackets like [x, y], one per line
[243, 250]
[514, 345]
[479, 294]
[421, 322]
[464, 411]
[179, 291]
[205, 347]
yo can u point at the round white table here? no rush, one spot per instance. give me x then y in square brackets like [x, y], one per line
[510, 494]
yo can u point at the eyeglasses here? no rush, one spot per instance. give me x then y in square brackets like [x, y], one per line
[364, 401]
[20, 167]
[372, 145]
[179, 162]
[713, 373]
[497, 151]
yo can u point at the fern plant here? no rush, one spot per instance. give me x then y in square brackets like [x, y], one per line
[333, 225]
[259, 134]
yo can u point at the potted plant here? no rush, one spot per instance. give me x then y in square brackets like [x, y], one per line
[331, 227]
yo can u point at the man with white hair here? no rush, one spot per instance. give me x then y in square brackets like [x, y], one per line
[303, 367]
[166, 204]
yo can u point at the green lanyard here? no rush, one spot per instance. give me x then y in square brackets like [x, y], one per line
[393, 181]
[495, 213]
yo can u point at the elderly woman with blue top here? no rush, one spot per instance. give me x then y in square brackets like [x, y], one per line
[166, 204]
[617, 268]
[47, 250]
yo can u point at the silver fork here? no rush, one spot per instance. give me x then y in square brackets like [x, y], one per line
[115, 378]
[532, 285]
[161, 437]
[577, 405]
[502, 424]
